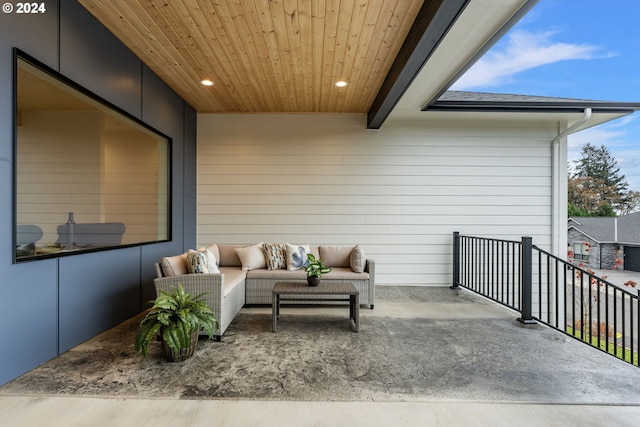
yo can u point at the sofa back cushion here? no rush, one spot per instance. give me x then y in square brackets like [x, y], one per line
[228, 255]
[174, 265]
[336, 256]
[252, 257]
[358, 259]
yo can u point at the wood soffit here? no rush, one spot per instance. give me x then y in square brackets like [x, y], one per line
[265, 56]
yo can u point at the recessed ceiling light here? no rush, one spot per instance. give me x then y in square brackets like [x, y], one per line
[341, 83]
[207, 82]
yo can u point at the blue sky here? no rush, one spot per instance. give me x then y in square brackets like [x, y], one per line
[587, 49]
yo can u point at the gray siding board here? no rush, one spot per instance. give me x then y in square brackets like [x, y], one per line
[399, 192]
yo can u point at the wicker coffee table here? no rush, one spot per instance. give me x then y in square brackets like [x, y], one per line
[293, 290]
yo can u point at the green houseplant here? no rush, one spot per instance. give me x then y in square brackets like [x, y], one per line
[315, 269]
[178, 317]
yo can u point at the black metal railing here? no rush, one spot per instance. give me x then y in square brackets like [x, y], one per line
[545, 288]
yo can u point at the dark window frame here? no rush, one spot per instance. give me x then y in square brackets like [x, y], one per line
[18, 55]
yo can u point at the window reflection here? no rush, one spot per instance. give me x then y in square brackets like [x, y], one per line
[87, 176]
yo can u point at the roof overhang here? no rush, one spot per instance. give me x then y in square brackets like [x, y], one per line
[446, 53]
[478, 25]
[531, 108]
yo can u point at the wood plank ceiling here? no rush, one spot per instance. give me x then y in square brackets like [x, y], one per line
[265, 55]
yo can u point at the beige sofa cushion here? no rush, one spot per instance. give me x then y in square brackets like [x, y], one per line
[252, 257]
[358, 259]
[340, 273]
[174, 265]
[336, 256]
[233, 276]
[277, 274]
[228, 255]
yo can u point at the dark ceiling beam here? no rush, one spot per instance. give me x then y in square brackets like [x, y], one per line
[434, 20]
[497, 36]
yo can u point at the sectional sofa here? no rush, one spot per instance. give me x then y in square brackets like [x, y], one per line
[234, 275]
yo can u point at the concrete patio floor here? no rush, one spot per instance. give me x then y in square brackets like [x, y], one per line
[592, 398]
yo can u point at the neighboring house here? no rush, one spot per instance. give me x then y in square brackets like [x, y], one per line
[275, 152]
[605, 242]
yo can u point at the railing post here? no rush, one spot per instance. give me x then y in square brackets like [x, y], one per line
[526, 272]
[456, 260]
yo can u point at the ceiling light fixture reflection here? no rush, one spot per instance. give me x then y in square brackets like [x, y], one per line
[207, 82]
[341, 83]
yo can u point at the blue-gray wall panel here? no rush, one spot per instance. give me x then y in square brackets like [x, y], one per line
[189, 185]
[97, 291]
[150, 255]
[190, 151]
[37, 35]
[29, 302]
[190, 222]
[28, 291]
[164, 110]
[73, 298]
[92, 57]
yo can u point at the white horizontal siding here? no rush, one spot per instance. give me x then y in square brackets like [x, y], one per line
[400, 192]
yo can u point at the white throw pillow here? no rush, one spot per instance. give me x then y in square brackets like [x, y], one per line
[252, 257]
[297, 256]
[211, 260]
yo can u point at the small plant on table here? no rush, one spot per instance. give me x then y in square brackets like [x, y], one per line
[315, 270]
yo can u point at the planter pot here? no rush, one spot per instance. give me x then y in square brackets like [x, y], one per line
[184, 353]
[313, 280]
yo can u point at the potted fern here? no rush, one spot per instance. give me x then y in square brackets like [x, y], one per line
[315, 269]
[177, 316]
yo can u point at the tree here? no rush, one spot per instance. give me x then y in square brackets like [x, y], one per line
[632, 203]
[597, 187]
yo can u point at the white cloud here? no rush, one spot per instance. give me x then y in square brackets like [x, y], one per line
[599, 135]
[521, 51]
[613, 135]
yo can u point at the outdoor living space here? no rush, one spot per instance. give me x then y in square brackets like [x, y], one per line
[424, 356]
[242, 133]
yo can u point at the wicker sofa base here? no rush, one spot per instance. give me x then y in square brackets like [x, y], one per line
[224, 306]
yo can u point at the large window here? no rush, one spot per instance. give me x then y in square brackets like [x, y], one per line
[87, 175]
